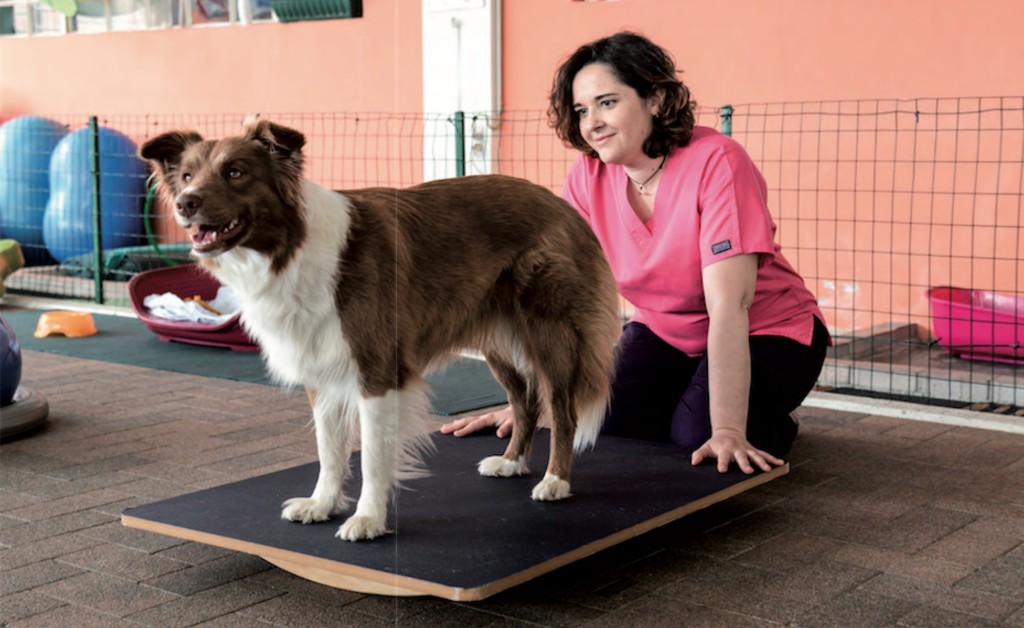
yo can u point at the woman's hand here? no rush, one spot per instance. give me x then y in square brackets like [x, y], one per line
[502, 419]
[728, 445]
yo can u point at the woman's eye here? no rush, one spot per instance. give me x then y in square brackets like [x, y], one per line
[607, 103]
[234, 173]
[187, 177]
[580, 113]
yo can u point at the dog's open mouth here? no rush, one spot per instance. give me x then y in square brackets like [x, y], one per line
[206, 238]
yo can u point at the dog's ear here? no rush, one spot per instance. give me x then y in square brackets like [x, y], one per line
[274, 137]
[164, 151]
[164, 154]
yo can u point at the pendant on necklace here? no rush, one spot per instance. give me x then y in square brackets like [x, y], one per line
[640, 186]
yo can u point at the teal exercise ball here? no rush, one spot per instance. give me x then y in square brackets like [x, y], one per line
[68, 223]
[26, 146]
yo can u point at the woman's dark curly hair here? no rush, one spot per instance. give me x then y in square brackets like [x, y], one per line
[644, 66]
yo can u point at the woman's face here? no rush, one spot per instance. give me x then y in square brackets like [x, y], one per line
[614, 120]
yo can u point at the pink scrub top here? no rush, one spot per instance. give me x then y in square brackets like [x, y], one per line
[711, 204]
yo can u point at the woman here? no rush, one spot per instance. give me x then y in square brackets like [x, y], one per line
[726, 340]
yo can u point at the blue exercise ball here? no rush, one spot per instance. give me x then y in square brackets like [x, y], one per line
[26, 145]
[68, 221]
[10, 363]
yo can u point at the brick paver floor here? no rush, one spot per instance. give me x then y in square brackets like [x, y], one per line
[881, 522]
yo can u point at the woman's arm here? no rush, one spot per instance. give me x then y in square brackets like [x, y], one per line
[729, 291]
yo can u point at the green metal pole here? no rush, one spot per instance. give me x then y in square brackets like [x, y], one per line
[726, 113]
[460, 144]
[97, 223]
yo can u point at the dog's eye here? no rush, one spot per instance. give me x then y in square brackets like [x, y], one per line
[186, 177]
[234, 173]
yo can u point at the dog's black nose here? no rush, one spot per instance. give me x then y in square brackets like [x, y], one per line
[188, 203]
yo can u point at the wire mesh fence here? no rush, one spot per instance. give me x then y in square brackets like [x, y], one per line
[903, 216]
[905, 219]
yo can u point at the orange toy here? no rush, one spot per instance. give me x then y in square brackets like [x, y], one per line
[71, 324]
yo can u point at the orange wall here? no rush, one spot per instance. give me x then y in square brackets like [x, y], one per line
[364, 64]
[739, 51]
[742, 51]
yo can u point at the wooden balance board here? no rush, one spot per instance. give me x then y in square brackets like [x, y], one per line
[456, 535]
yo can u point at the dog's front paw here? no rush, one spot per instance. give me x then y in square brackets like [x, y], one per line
[501, 467]
[551, 488]
[306, 510]
[359, 528]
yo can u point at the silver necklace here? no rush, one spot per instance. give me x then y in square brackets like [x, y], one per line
[639, 185]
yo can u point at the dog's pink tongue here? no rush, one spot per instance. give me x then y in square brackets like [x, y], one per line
[204, 236]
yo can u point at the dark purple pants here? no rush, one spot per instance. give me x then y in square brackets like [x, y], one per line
[661, 393]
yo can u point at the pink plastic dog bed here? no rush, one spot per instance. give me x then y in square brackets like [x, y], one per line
[186, 281]
[979, 325]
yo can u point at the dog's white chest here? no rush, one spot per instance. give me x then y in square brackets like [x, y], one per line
[301, 336]
[293, 316]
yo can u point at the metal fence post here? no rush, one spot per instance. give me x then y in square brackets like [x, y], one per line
[460, 144]
[97, 222]
[726, 113]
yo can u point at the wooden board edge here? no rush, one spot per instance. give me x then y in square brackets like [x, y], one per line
[368, 580]
[333, 578]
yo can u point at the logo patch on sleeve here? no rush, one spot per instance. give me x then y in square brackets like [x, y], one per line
[721, 247]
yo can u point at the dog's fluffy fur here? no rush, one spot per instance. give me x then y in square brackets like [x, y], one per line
[355, 294]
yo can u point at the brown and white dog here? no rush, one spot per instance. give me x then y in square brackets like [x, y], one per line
[355, 294]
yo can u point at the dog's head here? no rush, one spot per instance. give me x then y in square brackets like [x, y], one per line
[243, 191]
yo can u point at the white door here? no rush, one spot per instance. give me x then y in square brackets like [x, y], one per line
[461, 72]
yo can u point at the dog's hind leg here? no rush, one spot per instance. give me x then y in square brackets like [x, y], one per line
[554, 346]
[555, 484]
[523, 397]
[332, 422]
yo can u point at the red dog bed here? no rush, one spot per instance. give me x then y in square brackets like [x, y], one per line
[186, 281]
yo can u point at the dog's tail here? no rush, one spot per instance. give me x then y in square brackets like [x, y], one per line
[590, 417]
[594, 372]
